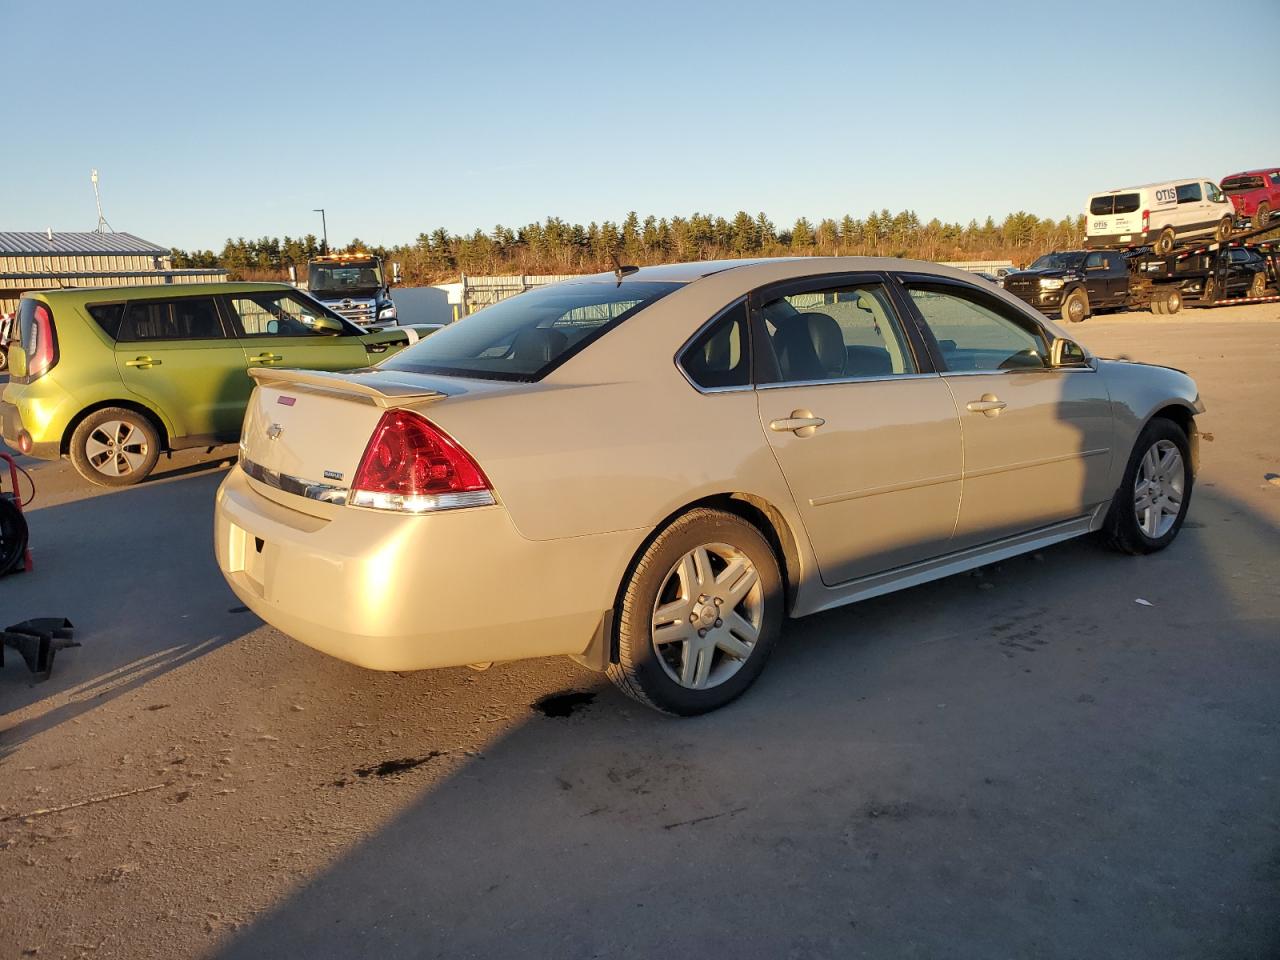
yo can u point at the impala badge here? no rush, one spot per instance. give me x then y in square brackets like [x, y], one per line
[274, 431]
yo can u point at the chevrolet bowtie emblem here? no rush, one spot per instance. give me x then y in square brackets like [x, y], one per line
[274, 431]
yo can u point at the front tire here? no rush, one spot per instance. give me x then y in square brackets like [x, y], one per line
[1258, 285]
[1262, 216]
[1148, 510]
[699, 615]
[115, 447]
[1225, 228]
[1075, 306]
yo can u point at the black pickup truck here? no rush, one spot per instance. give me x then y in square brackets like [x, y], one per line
[1077, 283]
[1073, 283]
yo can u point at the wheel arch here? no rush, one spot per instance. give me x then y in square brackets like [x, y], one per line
[1185, 418]
[64, 445]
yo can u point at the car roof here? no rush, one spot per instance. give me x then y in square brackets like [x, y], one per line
[1158, 183]
[1251, 173]
[156, 291]
[766, 269]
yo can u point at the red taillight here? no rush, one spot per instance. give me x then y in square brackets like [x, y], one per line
[1146, 220]
[40, 343]
[412, 465]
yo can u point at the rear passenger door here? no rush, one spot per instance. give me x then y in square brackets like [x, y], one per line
[177, 355]
[864, 430]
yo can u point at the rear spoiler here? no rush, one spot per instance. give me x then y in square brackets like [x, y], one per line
[379, 391]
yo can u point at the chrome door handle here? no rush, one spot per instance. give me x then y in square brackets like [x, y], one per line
[266, 358]
[801, 422]
[143, 362]
[990, 405]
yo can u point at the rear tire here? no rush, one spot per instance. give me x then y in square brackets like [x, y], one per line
[1164, 243]
[1262, 216]
[1225, 228]
[13, 536]
[1148, 510]
[1173, 301]
[1209, 293]
[699, 615]
[1075, 306]
[1258, 285]
[1159, 306]
[115, 447]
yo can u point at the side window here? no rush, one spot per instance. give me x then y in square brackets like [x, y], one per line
[1212, 192]
[1093, 261]
[1275, 178]
[719, 356]
[1239, 256]
[976, 332]
[108, 316]
[277, 315]
[1189, 193]
[838, 333]
[1113, 261]
[190, 318]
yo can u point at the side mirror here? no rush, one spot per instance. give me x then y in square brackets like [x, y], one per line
[1066, 353]
[395, 273]
[323, 324]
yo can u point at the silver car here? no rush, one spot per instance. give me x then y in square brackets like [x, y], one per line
[649, 471]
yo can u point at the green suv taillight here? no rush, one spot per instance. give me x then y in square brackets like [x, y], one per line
[39, 339]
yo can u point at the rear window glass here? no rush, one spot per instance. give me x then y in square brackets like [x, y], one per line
[1242, 184]
[1112, 203]
[529, 335]
[188, 319]
[108, 317]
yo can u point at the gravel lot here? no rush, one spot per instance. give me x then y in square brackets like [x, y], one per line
[1022, 763]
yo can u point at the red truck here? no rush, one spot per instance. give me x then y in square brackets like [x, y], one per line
[1255, 193]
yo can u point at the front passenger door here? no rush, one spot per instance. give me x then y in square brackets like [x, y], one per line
[277, 328]
[1037, 440]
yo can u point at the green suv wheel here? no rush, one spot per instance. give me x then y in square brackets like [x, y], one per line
[115, 447]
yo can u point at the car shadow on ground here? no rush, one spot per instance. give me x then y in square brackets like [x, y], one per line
[1070, 754]
[134, 572]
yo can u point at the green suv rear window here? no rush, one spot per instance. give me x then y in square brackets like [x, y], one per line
[108, 317]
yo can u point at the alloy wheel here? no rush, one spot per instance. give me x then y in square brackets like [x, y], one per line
[708, 616]
[116, 448]
[1158, 488]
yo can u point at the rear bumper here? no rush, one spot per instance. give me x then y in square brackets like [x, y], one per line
[13, 431]
[1114, 241]
[393, 592]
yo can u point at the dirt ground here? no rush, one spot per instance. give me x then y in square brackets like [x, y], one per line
[1025, 762]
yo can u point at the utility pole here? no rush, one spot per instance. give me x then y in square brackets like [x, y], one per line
[324, 229]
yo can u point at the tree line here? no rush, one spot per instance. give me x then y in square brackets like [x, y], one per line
[557, 247]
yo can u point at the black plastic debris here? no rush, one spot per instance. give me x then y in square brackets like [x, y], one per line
[38, 640]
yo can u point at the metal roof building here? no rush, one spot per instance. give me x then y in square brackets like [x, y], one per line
[32, 260]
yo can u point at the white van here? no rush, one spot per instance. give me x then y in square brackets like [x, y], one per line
[1159, 214]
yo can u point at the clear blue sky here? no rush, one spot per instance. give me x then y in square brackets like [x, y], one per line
[224, 119]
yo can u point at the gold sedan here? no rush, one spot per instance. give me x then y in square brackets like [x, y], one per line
[650, 470]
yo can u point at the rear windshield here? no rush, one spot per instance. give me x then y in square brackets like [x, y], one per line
[529, 335]
[1242, 184]
[1111, 203]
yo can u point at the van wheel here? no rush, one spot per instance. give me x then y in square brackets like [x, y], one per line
[1262, 216]
[1258, 286]
[1164, 243]
[1148, 509]
[699, 615]
[115, 447]
[1223, 233]
[1075, 307]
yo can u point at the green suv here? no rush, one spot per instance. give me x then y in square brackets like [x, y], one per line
[111, 376]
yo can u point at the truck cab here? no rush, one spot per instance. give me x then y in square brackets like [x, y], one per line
[354, 286]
